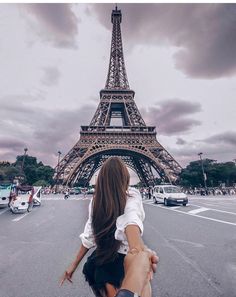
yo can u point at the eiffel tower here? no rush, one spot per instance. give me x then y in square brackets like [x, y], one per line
[132, 140]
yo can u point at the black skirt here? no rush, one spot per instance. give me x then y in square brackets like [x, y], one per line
[98, 275]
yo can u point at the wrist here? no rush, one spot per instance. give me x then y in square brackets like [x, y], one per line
[133, 284]
[134, 250]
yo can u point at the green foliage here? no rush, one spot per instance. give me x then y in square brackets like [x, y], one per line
[217, 173]
[45, 173]
[27, 160]
[28, 170]
[8, 173]
[41, 183]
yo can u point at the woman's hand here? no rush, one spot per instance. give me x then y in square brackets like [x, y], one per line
[67, 275]
[69, 272]
[154, 259]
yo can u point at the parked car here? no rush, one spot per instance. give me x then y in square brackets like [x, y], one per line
[5, 191]
[169, 194]
[24, 198]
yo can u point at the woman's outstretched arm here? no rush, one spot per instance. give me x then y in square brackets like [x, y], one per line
[71, 269]
[134, 238]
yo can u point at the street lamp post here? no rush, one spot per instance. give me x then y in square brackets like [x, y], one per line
[22, 165]
[58, 161]
[203, 172]
[23, 161]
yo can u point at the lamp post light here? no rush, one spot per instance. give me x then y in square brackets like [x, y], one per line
[58, 161]
[203, 172]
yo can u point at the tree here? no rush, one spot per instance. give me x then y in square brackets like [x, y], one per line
[30, 173]
[45, 173]
[217, 173]
[41, 183]
[9, 173]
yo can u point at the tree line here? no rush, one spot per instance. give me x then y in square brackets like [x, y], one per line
[217, 174]
[27, 170]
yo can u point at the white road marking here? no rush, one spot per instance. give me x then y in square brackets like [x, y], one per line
[3, 211]
[195, 215]
[69, 199]
[19, 218]
[195, 244]
[198, 210]
[213, 199]
[224, 211]
[211, 219]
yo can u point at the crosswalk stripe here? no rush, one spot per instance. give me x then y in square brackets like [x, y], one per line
[198, 210]
[194, 214]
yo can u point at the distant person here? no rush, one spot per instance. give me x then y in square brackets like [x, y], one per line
[149, 193]
[114, 227]
[66, 194]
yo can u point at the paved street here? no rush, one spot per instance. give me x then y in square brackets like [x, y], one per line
[196, 245]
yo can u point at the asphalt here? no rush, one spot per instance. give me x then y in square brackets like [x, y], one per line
[196, 245]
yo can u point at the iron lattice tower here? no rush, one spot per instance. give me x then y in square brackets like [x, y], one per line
[132, 140]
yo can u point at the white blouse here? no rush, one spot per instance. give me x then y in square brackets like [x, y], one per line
[133, 215]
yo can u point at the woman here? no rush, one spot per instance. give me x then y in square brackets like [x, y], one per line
[114, 227]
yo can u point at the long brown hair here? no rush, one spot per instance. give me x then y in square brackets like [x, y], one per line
[109, 203]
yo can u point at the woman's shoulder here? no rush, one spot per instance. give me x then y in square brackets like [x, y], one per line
[134, 193]
[134, 203]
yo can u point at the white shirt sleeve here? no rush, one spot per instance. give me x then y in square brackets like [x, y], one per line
[133, 214]
[87, 236]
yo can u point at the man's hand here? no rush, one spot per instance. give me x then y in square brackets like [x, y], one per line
[139, 267]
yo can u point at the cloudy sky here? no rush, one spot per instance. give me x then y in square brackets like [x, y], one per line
[180, 60]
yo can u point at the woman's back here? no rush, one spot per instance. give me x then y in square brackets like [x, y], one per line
[108, 204]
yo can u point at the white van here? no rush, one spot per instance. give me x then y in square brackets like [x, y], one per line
[169, 194]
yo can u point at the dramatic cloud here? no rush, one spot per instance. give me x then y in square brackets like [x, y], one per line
[204, 34]
[220, 147]
[42, 131]
[227, 138]
[51, 76]
[172, 116]
[56, 22]
[12, 144]
[180, 141]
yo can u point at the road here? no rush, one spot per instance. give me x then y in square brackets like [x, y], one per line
[196, 245]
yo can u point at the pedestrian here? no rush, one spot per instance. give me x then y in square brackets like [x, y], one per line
[66, 194]
[114, 227]
[149, 193]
